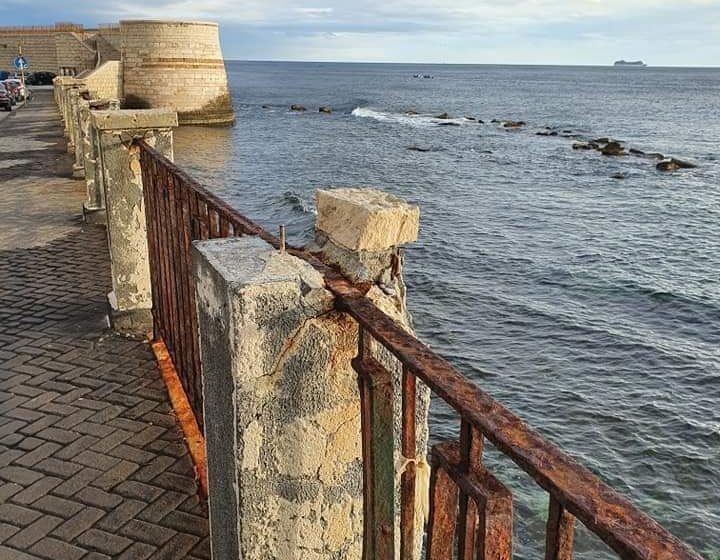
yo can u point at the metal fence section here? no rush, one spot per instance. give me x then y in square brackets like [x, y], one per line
[471, 513]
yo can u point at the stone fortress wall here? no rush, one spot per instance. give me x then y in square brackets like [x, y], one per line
[175, 64]
[147, 64]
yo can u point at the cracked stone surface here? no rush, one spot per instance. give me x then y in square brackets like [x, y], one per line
[92, 462]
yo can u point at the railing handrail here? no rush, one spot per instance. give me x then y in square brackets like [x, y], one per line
[605, 512]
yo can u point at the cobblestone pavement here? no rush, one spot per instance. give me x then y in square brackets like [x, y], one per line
[92, 462]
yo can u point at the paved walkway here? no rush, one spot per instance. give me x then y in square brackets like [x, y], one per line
[92, 462]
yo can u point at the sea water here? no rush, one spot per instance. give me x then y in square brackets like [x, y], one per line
[589, 305]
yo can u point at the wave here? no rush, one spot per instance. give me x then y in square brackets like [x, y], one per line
[407, 119]
[297, 203]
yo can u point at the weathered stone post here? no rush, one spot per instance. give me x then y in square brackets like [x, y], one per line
[281, 402]
[131, 299]
[64, 85]
[94, 205]
[75, 98]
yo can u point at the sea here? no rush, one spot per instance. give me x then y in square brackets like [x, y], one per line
[580, 290]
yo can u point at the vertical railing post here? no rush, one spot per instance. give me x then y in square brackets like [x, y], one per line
[378, 427]
[130, 300]
[559, 533]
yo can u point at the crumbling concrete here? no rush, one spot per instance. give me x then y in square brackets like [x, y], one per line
[282, 417]
[360, 231]
[281, 401]
[130, 301]
[94, 205]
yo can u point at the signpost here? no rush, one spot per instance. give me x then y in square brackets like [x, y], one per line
[22, 64]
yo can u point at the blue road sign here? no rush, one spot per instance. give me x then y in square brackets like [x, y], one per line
[21, 63]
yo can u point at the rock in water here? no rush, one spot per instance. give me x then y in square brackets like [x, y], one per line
[298, 108]
[325, 109]
[618, 176]
[613, 149]
[443, 116]
[547, 133]
[673, 164]
[414, 148]
[583, 146]
[514, 124]
[448, 124]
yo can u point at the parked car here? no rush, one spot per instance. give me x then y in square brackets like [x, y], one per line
[5, 100]
[16, 87]
[13, 91]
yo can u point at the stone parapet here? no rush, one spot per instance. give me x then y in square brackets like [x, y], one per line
[94, 205]
[130, 301]
[282, 417]
[281, 401]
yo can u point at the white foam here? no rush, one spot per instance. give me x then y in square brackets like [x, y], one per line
[404, 119]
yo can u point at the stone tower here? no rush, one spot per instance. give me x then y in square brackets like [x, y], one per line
[178, 65]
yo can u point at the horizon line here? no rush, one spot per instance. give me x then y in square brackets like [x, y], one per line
[610, 65]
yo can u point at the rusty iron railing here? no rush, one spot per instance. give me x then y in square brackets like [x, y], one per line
[471, 514]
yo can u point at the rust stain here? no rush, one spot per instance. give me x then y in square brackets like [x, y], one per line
[183, 412]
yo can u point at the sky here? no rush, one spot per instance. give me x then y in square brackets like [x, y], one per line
[660, 32]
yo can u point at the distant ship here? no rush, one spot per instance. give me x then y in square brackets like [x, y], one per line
[633, 63]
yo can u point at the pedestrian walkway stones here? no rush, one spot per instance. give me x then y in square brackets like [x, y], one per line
[92, 462]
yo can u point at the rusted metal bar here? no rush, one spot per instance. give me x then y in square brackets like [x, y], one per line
[443, 515]
[203, 218]
[471, 448]
[147, 167]
[378, 431]
[407, 482]
[191, 311]
[560, 533]
[611, 516]
[224, 226]
[490, 498]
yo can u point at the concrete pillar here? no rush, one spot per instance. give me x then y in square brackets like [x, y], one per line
[130, 301]
[63, 86]
[76, 95]
[361, 231]
[94, 205]
[281, 402]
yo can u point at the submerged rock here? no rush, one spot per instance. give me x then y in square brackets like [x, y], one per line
[470, 118]
[618, 176]
[414, 148]
[547, 133]
[673, 164]
[443, 116]
[584, 146]
[411, 113]
[298, 108]
[513, 124]
[448, 124]
[613, 149]
[266, 106]
[325, 109]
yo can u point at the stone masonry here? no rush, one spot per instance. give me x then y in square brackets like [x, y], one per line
[92, 462]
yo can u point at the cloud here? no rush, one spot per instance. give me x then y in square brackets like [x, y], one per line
[435, 30]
